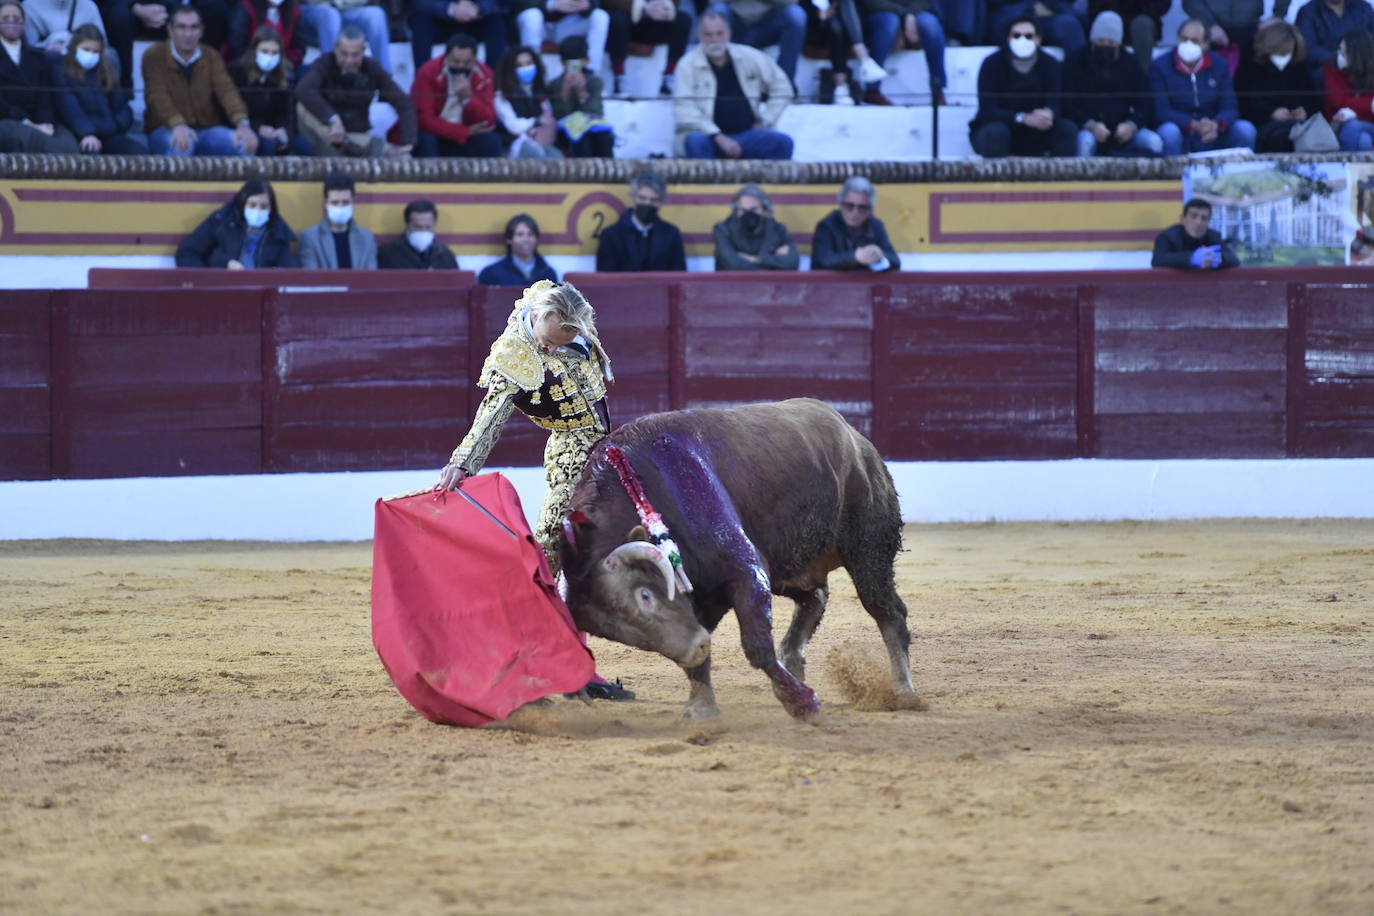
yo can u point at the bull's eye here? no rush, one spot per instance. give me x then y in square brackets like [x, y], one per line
[644, 596]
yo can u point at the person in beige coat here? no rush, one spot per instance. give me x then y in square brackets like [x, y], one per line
[716, 98]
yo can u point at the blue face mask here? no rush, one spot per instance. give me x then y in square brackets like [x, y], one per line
[526, 73]
[256, 218]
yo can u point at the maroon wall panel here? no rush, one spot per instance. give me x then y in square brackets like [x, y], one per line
[156, 383]
[1337, 418]
[25, 394]
[364, 381]
[1187, 369]
[986, 371]
[274, 278]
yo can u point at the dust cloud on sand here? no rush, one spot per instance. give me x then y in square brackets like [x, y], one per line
[1126, 718]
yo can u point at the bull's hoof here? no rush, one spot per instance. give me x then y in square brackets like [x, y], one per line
[700, 711]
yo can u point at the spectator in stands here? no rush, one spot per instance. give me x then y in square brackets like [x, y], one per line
[263, 78]
[455, 100]
[282, 15]
[918, 24]
[28, 120]
[246, 233]
[191, 100]
[522, 106]
[1275, 88]
[1324, 23]
[1111, 99]
[148, 20]
[337, 242]
[640, 240]
[563, 19]
[763, 23]
[1020, 99]
[327, 18]
[575, 97]
[650, 22]
[433, 21]
[1192, 244]
[835, 26]
[333, 98]
[416, 248]
[964, 21]
[90, 102]
[717, 96]
[851, 237]
[1232, 23]
[49, 24]
[1054, 19]
[1349, 80]
[1193, 97]
[523, 264]
[1142, 21]
[751, 239]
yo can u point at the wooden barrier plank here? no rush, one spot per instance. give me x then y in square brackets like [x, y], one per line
[25, 392]
[273, 278]
[1338, 382]
[165, 452]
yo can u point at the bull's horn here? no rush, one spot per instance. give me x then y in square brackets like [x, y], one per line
[570, 534]
[643, 550]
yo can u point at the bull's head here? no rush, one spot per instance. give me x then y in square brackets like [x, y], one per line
[631, 595]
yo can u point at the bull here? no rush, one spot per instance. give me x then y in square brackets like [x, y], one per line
[754, 501]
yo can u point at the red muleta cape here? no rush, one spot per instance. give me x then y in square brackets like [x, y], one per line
[465, 615]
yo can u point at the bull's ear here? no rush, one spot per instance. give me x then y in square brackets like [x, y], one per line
[578, 517]
[637, 533]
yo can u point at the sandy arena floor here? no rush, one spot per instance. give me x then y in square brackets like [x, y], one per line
[1126, 718]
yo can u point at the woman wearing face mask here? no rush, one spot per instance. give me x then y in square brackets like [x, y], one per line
[248, 20]
[246, 233]
[263, 77]
[1275, 88]
[751, 239]
[1349, 80]
[89, 100]
[523, 264]
[522, 106]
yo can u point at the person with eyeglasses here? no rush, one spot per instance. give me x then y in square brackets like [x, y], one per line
[1056, 20]
[851, 237]
[1020, 99]
[640, 240]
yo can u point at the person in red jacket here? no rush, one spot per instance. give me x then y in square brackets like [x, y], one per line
[1349, 79]
[454, 97]
[251, 15]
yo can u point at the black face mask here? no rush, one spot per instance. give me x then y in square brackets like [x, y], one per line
[751, 220]
[1104, 56]
[646, 213]
[460, 71]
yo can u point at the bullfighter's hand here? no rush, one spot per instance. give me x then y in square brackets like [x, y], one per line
[451, 478]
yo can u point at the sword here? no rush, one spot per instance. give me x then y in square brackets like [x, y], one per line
[482, 509]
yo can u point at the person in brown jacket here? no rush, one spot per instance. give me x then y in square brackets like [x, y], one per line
[193, 107]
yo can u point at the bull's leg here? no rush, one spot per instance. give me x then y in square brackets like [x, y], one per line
[753, 603]
[878, 593]
[810, 609]
[701, 703]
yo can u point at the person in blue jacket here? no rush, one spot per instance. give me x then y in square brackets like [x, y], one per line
[90, 101]
[1323, 23]
[523, 264]
[246, 233]
[1194, 99]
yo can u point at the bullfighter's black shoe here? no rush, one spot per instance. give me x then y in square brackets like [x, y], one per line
[599, 691]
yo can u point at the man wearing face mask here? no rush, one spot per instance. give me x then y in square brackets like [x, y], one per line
[1232, 22]
[1323, 23]
[416, 248]
[716, 98]
[639, 240]
[751, 239]
[1111, 100]
[333, 98]
[455, 101]
[1194, 100]
[1019, 101]
[1056, 20]
[337, 242]
[28, 122]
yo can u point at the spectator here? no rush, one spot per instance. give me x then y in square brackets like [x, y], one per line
[90, 102]
[835, 26]
[919, 26]
[263, 78]
[851, 237]
[455, 100]
[1324, 23]
[282, 15]
[1191, 244]
[716, 99]
[965, 21]
[1275, 88]
[523, 264]
[337, 242]
[246, 233]
[522, 106]
[1349, 79]
[416, 248]
[433, 21]
[49, 24]
[650, 22]
[28, 122]
[1054, 19]
[333, 98]
[639, 240]
[1142, 21]
[327, 18]
[191, 99]
[1019, 100]
[148, 20]
[565, 18]
[1232, 23]
[764, 23]
[1111, 100]
[751, 239]
[576, 100]
[1193, 97]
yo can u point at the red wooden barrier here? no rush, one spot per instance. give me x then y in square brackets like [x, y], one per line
[271, 278]
[25, 394]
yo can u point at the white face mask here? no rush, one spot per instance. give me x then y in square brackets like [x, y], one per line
[420, 241]
[340, 215]
[87, 59]
[1190, 52]
[255, 217]
[1280, 60]
[1340, 60]
[1023, 48]
[267, 62]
